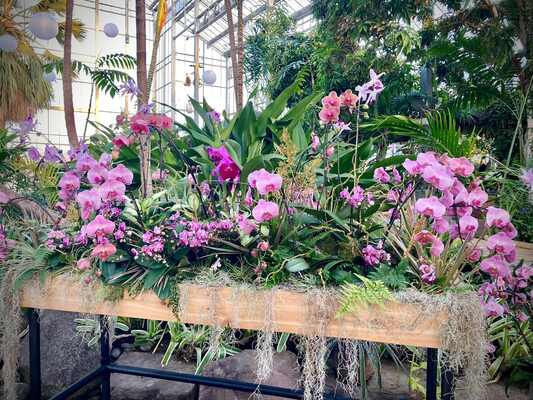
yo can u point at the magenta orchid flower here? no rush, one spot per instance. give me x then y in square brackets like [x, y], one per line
[104, 251]
[122, 174]
[112, 190]
[89, 201]
[430, 207]
[100, 226]
[97, 174]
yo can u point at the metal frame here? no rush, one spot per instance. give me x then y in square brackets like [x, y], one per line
[106, 368]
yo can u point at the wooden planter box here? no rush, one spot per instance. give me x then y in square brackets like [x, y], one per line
[395, 323]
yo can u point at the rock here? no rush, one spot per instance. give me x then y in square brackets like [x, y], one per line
[65, 356]
[243, 367]
[128, 387]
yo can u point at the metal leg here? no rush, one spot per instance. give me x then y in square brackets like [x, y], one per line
[105, 359]
[447, 382]
[35, 354]
[431, 374]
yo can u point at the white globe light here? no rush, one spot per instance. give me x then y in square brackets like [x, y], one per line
[8, 43]
[50, 76]
[209, 77]
[44, 26]
[111, 30]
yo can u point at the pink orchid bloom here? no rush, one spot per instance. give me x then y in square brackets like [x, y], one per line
[427, 158]
[441, 225]
[265, 211]
[246, 225]
[437, 248]
[427, 272]
[89, 201]
[497, 217]
[122, 174]
[217, 154]
[105, 160]
[165, 122]
[227, 169]
[412, 167]
[369, 91]
[100, 226]
[348, 99]
[438, 176]
[69, 182]
[121, 141]
[468, 226]
[315, 142]
[329, 151]
[459, 191]
[112, 190]
[430, 207]
[83, 264]
[97, 175]
[424, 237]
[496, 267]
[477, 197]
[266, 183]
[500, 243]
[331, 100]
[447, 198]
[474, 255]
[510, 230]
[397, 178]
[381, 176]
[329, 115]
[461, 166]
[139, 125]
[85, 162]
[104, 251]
[493, 309]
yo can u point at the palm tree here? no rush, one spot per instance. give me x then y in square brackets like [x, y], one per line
[240, 53]
[70, 121]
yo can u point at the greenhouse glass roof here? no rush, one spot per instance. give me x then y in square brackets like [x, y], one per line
[213, 24]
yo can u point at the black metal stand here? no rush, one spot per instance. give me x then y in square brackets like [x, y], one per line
[103, 373]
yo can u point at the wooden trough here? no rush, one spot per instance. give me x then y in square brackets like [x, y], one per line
[289, 311]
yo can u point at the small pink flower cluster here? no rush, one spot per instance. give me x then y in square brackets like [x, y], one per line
[226, 169]
[141, 122]
[374, 255]
[356, 197]
[332, 103]
[427, 273]
[57, 239]
[197, 234]
[154, 243]
[264, 183]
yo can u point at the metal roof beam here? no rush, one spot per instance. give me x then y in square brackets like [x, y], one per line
[191, 25]
[250, 16]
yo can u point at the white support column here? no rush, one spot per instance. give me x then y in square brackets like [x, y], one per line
[173, 60]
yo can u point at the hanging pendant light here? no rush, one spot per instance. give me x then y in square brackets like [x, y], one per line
[209, 77]
[43, 25]
[188, 108]
[8, 43]
[111, 29]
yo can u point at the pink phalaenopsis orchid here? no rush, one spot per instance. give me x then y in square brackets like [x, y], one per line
[89, 201]
[121, 141]
[315, 142]
[497, 217]
[430, 207]
[97, 174]
[104, 251]
[427, 273]
[265, 211]
[265, 182]
[349, 99]
[368, 92]
[85, 162]
[100, 226]
[468, 226]
[122, 174]
[112, 190]
[496, 266]
[381, 176]
[331, 101]
[500, 243]
[69, 182]
[329, 115]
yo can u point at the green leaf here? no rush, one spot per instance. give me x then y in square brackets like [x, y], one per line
[296, 264]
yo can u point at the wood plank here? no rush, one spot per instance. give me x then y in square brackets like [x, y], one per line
[395, 323]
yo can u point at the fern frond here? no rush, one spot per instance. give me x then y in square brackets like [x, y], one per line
[392, 277]
[368, 293]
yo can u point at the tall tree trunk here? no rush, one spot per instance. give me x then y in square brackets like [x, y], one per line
[233, 53]
[142, 84]
[240, 52]
[70, 121]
